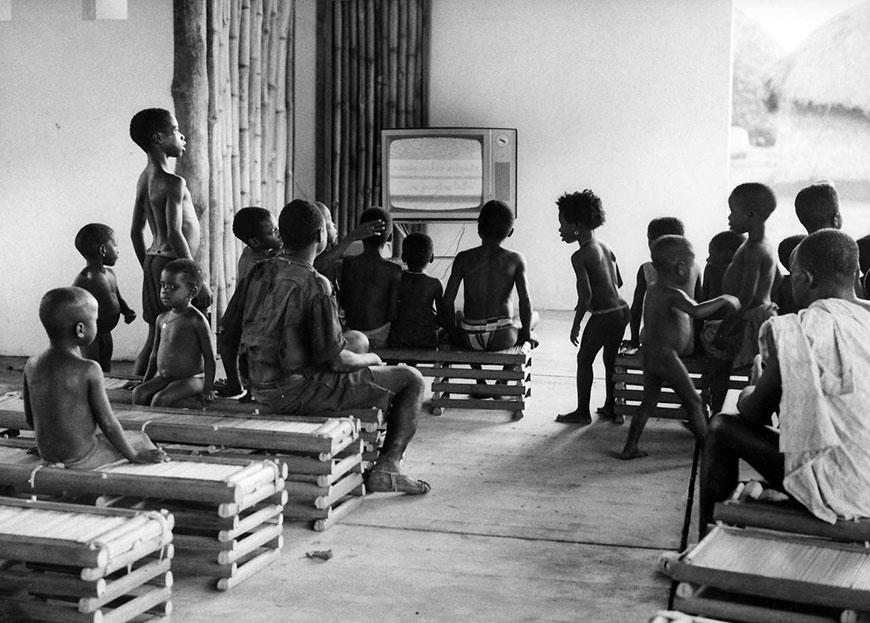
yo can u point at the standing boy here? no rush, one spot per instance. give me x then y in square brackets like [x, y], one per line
[370, 284]
[750, 277]
[64, 397]
[668, 336]
[99, 246]
[489, 274]
[182, 363]
[164, 203]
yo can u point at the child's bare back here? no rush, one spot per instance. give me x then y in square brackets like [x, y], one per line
[104, 286]
[488, 275]
[598, 261]
[667, 329]
[164, 202]
[369, 291]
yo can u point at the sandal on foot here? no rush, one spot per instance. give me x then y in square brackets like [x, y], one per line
[566, 418]
[392, 482]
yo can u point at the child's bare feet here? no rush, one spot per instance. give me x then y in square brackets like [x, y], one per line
[607, 414]
[632, 453]
[575, 417]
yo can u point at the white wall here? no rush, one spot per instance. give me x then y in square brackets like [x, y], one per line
[629, 98]
[68, 89]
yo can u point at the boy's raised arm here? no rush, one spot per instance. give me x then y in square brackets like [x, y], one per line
[681, 301]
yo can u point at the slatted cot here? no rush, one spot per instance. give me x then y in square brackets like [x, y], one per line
[228, 512]
[628, 386]
[811, 579]
[485, 380]
[332, 444]
[68, 563]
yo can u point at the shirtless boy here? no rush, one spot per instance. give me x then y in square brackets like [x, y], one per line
[182, 363]
[257, 228]
[328, 261]
[64, 396]
[749, 277]
[370, 284]
[489, 273]
[421, 308]
[598, 282]
[99, 246]
[164, 203]
[668, 335]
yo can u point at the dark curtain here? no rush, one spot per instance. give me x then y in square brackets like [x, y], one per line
[373, 67]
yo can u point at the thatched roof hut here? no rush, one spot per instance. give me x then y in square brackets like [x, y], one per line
[831, 68]
[823, 91]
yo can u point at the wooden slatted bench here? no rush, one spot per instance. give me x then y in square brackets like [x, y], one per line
[65, 562]
[628, 386]
[228, 512]
[494, 380]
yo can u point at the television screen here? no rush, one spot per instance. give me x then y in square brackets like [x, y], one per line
[436, 173]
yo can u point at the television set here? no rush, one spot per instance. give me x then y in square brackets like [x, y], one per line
[447, 174]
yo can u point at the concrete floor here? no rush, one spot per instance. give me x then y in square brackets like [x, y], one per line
[526, 521]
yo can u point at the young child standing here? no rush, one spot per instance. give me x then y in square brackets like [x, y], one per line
[646, 274]
[598, 283]
[182, 363]
[420, 311]
[668, 336]
[99, 246]
[64, 397]
[257, 228]
[163, 202]
[489, 274]
[369, 284]
[750, 277]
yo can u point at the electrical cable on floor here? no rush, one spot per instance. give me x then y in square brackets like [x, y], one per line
[687, 520]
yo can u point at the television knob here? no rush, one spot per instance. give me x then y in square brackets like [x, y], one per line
[502, 140]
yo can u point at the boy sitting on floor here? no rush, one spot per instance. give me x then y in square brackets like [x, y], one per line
[64, 396]
[182, 363]
[490, 273]
[668, 336]
[369, 283]
[420, 310]
[99, 246]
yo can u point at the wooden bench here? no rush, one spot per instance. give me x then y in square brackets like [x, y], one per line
[498, 380]
[228, 512]
[329, 447]
[65, 562]
[628, 386]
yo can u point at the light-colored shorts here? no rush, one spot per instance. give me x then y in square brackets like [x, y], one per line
[479, 334]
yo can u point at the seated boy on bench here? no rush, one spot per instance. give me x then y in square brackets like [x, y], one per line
[490, 273]
[64, 397]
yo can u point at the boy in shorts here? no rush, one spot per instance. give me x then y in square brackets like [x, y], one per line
[420, 311]
[99, 246]
[668, 336]
[489, 274]
[370, 284]
[65, 400]
[182, 364]
[163, 202]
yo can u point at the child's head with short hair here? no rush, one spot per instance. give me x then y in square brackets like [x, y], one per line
[830, 256]
[97, 241]
[300, 223]
[723, 246]
[583, 208]
[818, 206]
[417, 251]
[864, 253]
[786, 247]
[669, 251]
[61, 310]
[753, 197]
[146, 123]
[663, 226]
[186, 273]
[377, 213]
[257, 228]
[331, 229]
[495, 221]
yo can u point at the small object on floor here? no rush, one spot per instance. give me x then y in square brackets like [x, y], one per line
[751, 491]
[392, 482]
[320, 554]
